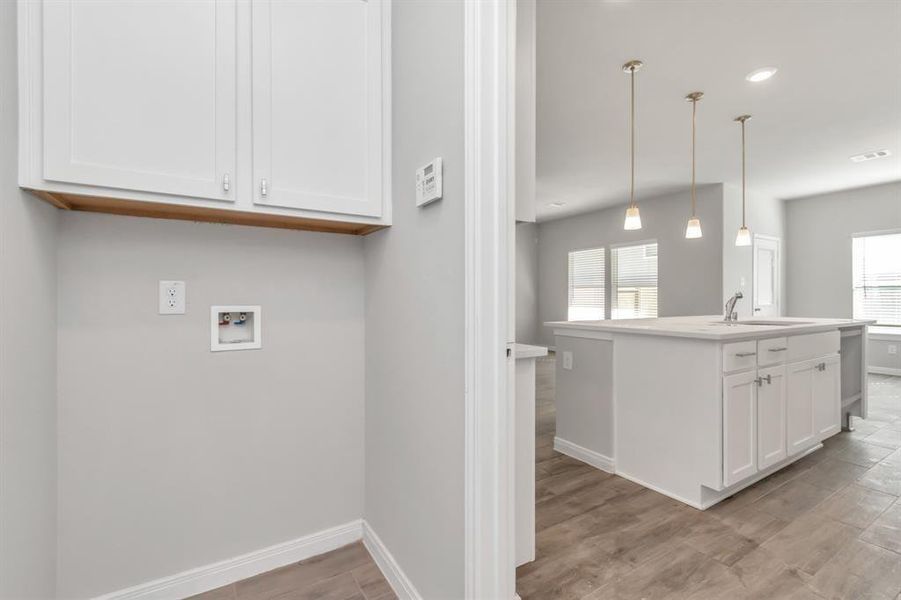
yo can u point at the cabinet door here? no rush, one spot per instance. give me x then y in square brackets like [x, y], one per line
[739, 427]
[140, 95]
[800, 430]
[770, 416]
[827, 397]
[317, 105]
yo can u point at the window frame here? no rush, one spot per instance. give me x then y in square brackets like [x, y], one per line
[606, 255]
[609, 274]
[866, 234]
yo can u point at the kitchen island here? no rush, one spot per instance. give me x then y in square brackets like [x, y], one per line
[698, 408]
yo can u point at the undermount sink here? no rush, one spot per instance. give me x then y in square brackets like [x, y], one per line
[764, 323]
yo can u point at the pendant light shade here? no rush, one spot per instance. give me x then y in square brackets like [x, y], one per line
[744, 234]
[633, 219]
[693, 229]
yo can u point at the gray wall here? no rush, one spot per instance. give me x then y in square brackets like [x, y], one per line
[27, 360]
[173, 457]
[527, 283]
[818, 236]
[879, 356]
[765, 216]
[690, 272]
[414, 314]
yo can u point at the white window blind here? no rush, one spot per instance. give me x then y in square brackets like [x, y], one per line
[586, 285]
[633, 281]
[876, 277]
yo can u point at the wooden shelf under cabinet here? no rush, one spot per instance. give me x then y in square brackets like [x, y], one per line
[156, 210]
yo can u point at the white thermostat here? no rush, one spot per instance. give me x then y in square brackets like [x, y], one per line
[428, 183]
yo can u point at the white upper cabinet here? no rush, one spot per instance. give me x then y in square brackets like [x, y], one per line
[259, 112]
[318, 105]
[141, 95]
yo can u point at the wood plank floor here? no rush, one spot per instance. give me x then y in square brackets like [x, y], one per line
[347, 573]
[828, 526]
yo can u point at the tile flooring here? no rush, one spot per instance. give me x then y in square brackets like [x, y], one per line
[828, 526]
[347, 573]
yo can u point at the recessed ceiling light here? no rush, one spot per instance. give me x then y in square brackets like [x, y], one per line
[761, 74]
[557, 204]
[870, 155]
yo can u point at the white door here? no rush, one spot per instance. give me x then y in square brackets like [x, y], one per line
[766, 276]
[140, 95]
[770, 416]
[739, 427]
[317, 105]
[827, 397]
[800, 432]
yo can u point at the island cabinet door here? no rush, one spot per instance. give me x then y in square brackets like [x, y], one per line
[827, 397]
[739, 427]
[800, 432]
[770, 416]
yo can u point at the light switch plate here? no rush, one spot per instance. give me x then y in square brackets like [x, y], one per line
[429, 185]
[892, 349]
[568, 361]
[172, 297]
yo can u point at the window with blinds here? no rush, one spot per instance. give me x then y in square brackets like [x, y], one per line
[586, 285]
[633, 281]
[876, 275]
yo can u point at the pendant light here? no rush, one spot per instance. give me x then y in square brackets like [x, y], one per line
[744, 234]
[693, 230]
[633, 219]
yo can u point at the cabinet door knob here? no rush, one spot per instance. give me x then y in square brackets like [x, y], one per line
[264, 187]
[226, 184]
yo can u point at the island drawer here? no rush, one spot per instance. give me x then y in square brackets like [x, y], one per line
[738, 356]
[812, 345]
[772, 351]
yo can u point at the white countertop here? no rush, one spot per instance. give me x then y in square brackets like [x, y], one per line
[528, 351]
[710, 327]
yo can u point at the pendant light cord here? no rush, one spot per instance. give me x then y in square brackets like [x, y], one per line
[632, 196]
[694, 110]
[743, 169]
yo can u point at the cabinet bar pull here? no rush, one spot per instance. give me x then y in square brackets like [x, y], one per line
[264, 187]
[225, 182]
[744, 354]
[782, 349]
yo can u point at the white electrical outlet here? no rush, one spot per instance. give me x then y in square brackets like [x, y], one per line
[172, 297]
[892, 349]
[568, 361]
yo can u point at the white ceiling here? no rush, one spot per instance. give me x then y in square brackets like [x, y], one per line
[837, 93]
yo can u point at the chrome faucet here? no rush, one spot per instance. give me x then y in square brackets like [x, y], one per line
[730, 315]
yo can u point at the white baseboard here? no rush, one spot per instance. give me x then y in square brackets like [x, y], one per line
[595, 459]
[210, 577]
[884, 371]
[397, 579]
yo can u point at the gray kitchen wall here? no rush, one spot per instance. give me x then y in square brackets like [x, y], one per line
[414, 314]
[527, 283]
[818, 232]
[172, 457]
[765, 216]
[818, 235]
[690, 272]
[27, 360]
